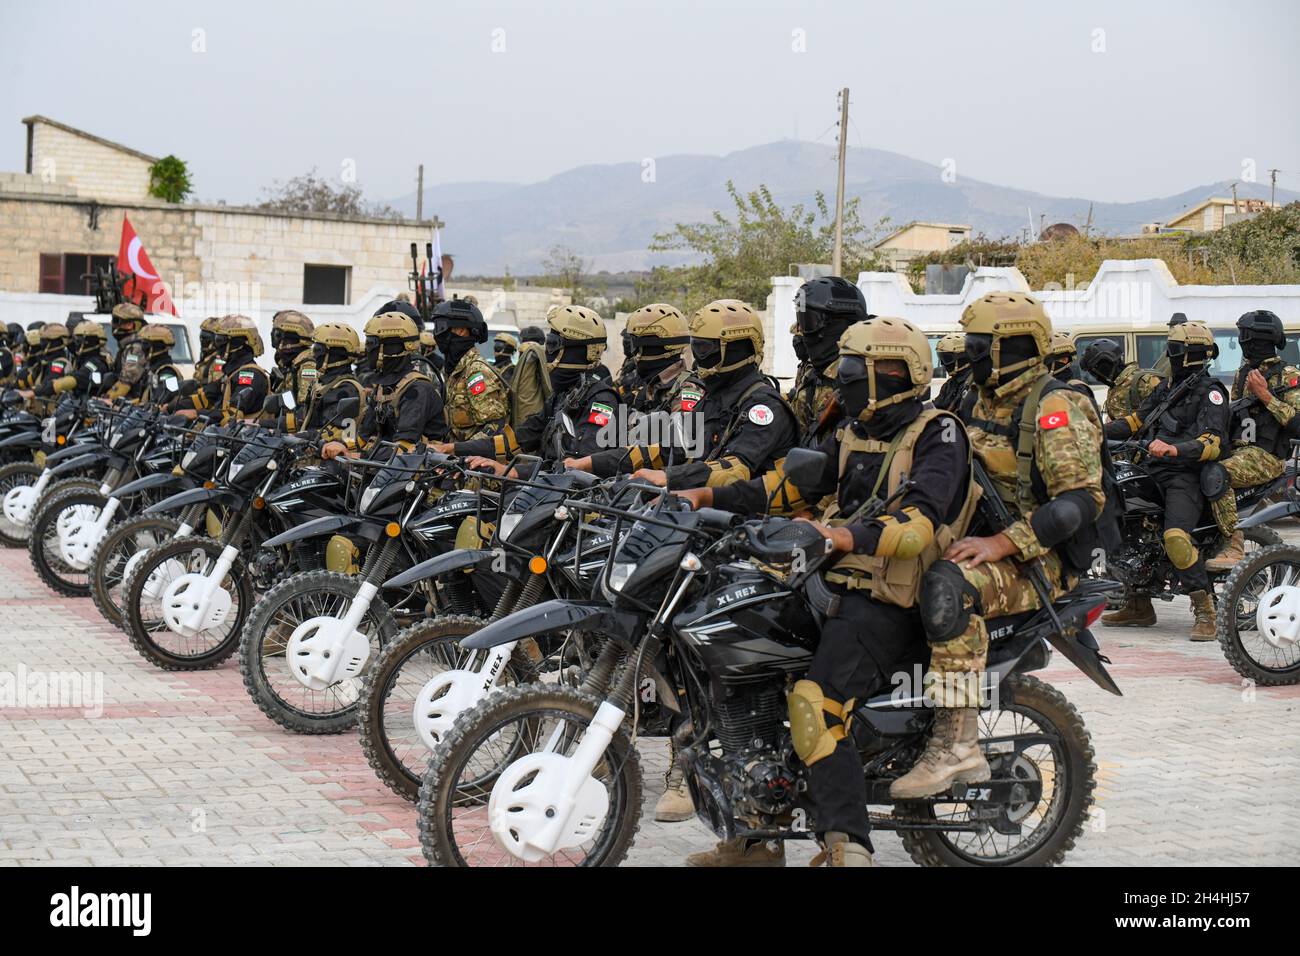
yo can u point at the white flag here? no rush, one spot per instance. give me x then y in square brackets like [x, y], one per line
[436, 265]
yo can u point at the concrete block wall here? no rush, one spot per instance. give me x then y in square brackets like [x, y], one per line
[91, 168]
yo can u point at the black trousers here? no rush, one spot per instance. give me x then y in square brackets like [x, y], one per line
[1184, 504]
[861, 649]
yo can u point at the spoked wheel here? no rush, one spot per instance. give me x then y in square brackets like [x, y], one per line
[124, 546]
[1260, 637]
[21, 474]
[394, 735]
[145, 594]
[65, 572]
[1035, 735]
[519, 739]
[264, 658]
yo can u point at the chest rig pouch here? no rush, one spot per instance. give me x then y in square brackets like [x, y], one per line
[344, 430]
[895, 580]
[387, 401]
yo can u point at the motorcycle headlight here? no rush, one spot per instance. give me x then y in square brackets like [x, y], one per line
[187, 458]
[619, 575]
[116, 437]
[235, 469]
[508, 524]
[368, 498]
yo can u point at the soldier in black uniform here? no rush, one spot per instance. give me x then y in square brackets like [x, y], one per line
[335, 347]
[87, 372]
[47, 361]
[241, 391]
[958, 393]
[583, 405]
[162, 378]
[887, 433]
[402, 399]
[1188, 436]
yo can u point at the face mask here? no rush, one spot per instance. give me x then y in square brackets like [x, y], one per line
[554, 347]
[706, 352]
[454, 347]
[979, 356]
[800, 350]
[504, 357]
[823, 348]
[1257, 350]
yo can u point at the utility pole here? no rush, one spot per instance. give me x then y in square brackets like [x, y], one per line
[1272, 193]
[419, 196]
[837, 255]
[1234, 199]
[1087, 226]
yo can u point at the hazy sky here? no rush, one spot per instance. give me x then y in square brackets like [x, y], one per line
[1110, 101]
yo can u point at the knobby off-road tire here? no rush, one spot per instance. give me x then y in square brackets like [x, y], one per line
[184, 549]
[265, 638]
[1076, 771]
[438, 792]
[112, 553]
[12, 476]
[439, 637]
[43, 545]
[1230, 623]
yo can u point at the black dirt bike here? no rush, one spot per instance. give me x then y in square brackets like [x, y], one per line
[549, 775]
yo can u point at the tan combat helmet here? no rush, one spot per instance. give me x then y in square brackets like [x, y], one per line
[241, 328]
[55, 333]
[290, 320]
[158, 339]
[1193, 338]
[1062, 353]
[507, 340]
[661, 331]
[127, 319]
[726, 322]
[210, 324]
[335, 337]
[1004, 315]
[387, 328]
[951, 350]
[427, 341]
[863, 344]
[577, 324]
[88, 336]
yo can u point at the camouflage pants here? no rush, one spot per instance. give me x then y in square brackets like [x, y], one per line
[1248, 466]
[956, 666]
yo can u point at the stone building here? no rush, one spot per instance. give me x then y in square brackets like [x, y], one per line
[917, 239]
[62, 217]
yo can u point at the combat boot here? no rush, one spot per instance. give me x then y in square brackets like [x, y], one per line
[1136, 611]
[739, 852]
[839, 850]
[1203, 608]
[675, 804]
[952, 755]
[1233, 551]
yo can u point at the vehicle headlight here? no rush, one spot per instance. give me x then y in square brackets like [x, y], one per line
[187, 458]
[508, 524]
[368, 498]
[235, 469]
[116, 437]
[619, 575]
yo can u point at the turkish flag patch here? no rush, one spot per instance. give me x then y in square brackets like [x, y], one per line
[477, 384]
[218, 365]
[245, 378]
[690, 398]
[1054, 420]
[600, 414]
[56, 368]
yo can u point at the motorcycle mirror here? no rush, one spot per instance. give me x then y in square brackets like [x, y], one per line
[804, 466]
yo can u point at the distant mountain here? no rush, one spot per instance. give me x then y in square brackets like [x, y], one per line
[608, 213]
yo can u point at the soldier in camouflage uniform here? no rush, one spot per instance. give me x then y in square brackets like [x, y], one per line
[824, 309]
[627, 381]
[208, 367]
[1128, 386]
[1051, 480]
[1060, 361]
[478, 401]
[241, 391]
[887, 436]
[295, 372]
[504, 348]
[1265, 397]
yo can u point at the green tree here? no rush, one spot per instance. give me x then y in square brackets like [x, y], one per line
[312, 193]
[169, 180]
[738, 256]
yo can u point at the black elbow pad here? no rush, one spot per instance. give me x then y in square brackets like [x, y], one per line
[1061, 517]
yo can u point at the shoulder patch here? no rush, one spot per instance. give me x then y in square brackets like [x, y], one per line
[477, 384]
[600, 413]
[1054, 419]
[1216, 396]
[245, 378]
[690, 398]
[761, 415]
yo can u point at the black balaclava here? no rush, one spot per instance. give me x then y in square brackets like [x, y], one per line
[502, 356]
[854, 387]
[652, 356]
[800, 350]
[207, 345]
[708, 353]
[566, 352]
[979, 353]
[823, 346]
[330, 363]
[1258, 350]
[454, 347]
[288, 346]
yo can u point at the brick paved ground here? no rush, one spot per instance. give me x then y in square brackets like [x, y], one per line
[183, 769]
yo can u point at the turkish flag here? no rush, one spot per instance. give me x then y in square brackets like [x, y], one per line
[144, 284]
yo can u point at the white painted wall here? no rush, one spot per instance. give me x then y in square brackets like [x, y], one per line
[1141, 293]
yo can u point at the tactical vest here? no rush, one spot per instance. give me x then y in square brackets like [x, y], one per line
[386, 403]
[229, 390]
[457, 402]
[556, 441]
[338, 431]
[890, 579]
[1030, 490]
[158, 392]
